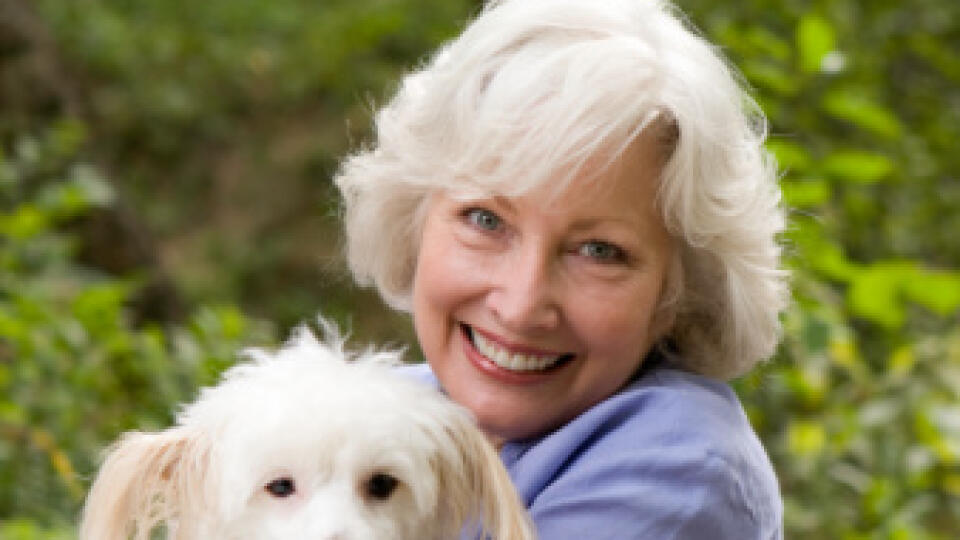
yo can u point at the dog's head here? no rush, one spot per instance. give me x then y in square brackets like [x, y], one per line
[306, 444]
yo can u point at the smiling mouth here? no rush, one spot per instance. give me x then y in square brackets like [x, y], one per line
[512, 361]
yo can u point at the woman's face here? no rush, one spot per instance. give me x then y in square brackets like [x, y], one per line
[531, 310]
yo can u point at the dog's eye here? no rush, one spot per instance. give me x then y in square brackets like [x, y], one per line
[380, 486]
[281, 487]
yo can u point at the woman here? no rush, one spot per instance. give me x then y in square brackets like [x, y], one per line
[572, 200]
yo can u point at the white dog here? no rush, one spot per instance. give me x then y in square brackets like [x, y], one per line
[308, 443]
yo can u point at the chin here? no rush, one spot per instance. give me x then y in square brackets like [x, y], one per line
[308, 442]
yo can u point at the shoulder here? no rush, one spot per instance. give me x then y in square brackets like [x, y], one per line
[670, 456]
[418, 372]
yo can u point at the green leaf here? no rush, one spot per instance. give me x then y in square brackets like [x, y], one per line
[817, 253]
[771, 76]
[806, 438]
[874, 293]
[790, 155]
[762, 40]
[814, 333]
[815, 38]
[881, 497]
[100, 307]
[27, 529]
[938, 291]
[858, 109]
[858, 166]
[832, 263]
[805, 193]
[26, 222]
[62, 201]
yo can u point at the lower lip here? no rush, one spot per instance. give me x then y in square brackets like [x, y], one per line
[494, 371]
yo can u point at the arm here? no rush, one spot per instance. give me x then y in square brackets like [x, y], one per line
[643, 497]
[672, 457]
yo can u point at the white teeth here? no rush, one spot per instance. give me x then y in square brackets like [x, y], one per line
[507, 360]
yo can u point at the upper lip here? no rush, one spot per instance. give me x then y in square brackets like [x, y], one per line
[516, 348]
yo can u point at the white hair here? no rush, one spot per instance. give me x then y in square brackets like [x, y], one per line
[308, 442]
[531, 94]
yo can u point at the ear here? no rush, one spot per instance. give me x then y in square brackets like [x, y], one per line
[147, 479]
[485, 490]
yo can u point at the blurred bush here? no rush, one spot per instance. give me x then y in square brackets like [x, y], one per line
[860, 410]
[218, 124]
[228, 118]
[74, 370]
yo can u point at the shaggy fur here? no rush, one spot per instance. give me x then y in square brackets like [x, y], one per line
[310, 443]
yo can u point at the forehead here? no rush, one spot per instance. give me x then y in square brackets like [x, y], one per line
[638, 159]
[631, 179]
[326, 393]
[314, 421]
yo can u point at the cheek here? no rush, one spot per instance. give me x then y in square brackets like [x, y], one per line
[435, 297]
[447, 275]
[433, 290]
[618, 327]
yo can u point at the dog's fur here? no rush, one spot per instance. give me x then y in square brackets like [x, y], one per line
[329, 426]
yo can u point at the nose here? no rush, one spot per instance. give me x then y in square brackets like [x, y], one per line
[525, 296]
[332, 512]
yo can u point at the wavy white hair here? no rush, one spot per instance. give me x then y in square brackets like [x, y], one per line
[531, 94]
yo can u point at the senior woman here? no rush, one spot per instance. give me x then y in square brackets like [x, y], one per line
[572, 200]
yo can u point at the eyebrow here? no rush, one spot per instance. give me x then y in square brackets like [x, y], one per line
[504, 201]
[593, 222]
[581, 224]
[500, 202]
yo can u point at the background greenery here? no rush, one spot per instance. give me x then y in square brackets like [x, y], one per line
[165, 191]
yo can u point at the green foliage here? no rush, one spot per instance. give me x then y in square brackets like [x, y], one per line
[864, 446]
[74, 370]
[26, 529]
[223, 121]
[859, 408]
[228, 118]
[816, 38]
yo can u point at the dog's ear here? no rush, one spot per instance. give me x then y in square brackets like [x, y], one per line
[147, 479]
[483, 486]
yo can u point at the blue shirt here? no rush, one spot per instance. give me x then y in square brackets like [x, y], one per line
[671, 456]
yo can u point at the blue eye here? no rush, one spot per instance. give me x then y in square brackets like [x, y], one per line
[602, 252]
[483, 219]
